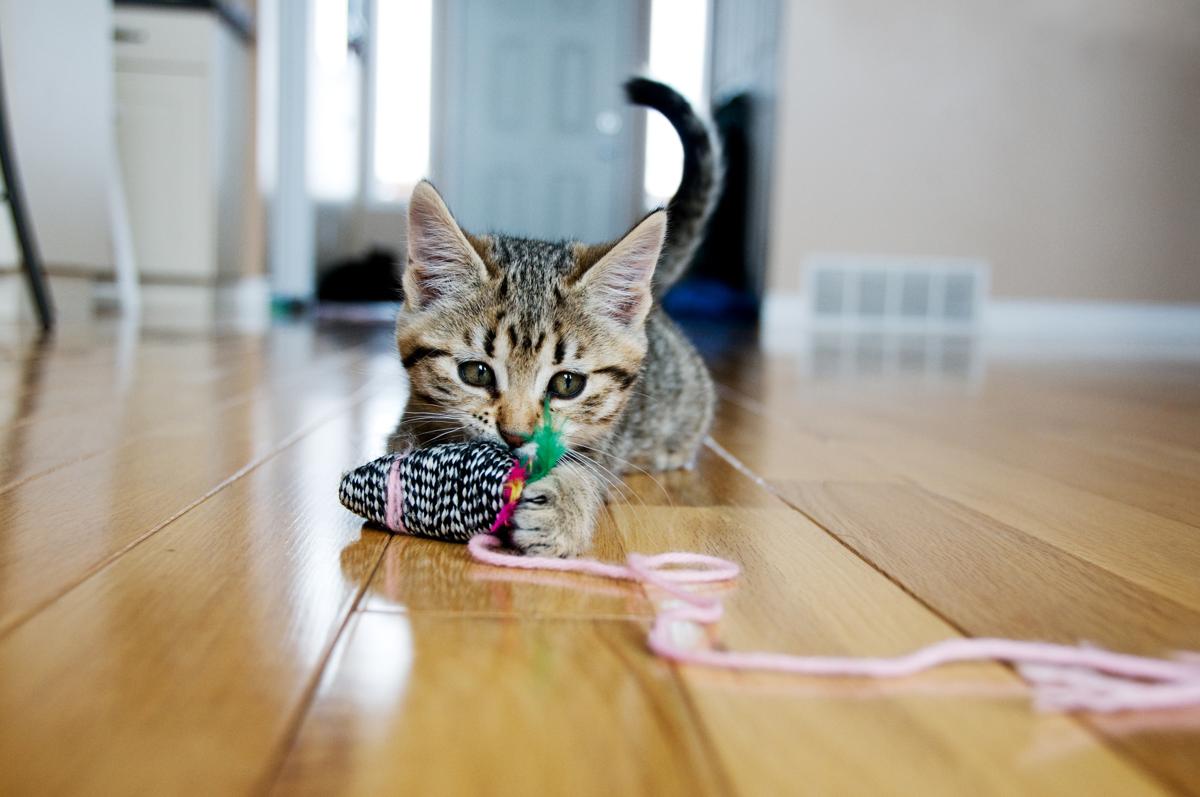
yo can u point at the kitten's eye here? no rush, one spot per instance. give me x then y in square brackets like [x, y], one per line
[476, 374]
[567, 384]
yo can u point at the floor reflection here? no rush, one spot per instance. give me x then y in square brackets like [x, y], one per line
[937, 358]
[29, 368]
[735, 351]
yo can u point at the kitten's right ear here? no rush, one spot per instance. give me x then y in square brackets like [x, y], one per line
[618, 285]
[442, 263]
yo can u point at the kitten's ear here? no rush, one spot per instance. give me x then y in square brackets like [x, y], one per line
[441, 261]
[618, 285]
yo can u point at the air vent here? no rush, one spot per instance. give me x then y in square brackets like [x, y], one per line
[883, 291]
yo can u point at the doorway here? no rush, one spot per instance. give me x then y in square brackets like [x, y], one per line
[533, 133]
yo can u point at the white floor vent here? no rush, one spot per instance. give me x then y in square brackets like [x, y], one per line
[886, 291]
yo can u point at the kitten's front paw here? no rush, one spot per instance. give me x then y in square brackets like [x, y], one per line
[554, 517]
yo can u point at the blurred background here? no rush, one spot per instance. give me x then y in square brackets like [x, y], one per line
[1032, 168]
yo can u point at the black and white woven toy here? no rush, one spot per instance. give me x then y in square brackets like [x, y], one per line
[451, 491]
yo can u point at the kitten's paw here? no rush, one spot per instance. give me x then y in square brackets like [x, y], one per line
[553, 518]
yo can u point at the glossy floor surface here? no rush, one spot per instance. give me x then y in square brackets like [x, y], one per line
[186, 609]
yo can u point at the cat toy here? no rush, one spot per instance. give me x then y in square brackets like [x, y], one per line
[467, 492]
[451, 491]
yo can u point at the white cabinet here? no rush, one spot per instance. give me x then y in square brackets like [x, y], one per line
[183, 132]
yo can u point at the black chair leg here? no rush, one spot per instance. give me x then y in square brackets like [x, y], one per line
[31, 259]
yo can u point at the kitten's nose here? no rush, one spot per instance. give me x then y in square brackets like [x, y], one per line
[514, 439]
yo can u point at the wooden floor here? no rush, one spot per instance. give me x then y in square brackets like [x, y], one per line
[185, 608]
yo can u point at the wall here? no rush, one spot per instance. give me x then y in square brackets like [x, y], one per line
[1058, 139]
[59, 84]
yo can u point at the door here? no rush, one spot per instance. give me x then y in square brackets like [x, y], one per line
[534, 136]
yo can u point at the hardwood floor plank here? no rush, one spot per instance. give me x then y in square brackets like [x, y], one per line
[992, 580]
[785, 451]
[1152, 453]
[435, 704]
[180, 668]
[429, 576]
[61, 527]
[1153, 487]
[110, 377]
[185, 608]
[41, 445]
[1151, 550]
[966, 730]
[1144, 548]
[1152, 553]
[45, 382]
[801, 591]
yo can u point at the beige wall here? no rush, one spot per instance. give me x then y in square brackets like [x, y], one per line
[1057, 139]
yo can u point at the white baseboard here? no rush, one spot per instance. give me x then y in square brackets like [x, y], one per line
[1126, 321]
[785, 311]
[71, 297]
[1107, 321]
[248, 300]
[243, 303]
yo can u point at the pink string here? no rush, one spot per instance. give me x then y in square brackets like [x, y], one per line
[1063, 677]
[395, 497]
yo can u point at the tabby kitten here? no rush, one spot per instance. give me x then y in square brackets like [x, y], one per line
[493, 325]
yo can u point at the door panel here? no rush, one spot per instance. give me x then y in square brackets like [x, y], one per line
[535, 136]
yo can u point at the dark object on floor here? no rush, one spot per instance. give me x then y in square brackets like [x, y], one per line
[706, 298]
[371, 277]
[14, 194]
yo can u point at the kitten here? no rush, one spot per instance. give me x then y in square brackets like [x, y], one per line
[492, 325]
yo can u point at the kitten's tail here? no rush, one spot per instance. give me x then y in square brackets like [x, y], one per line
[693, 203]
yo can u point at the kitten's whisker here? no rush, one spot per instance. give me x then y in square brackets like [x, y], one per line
[441, 435]
[437, 411]
[611, 479]
[430, 416]
[594, 468]
[630, 497]
[574, 456]
[595, 461]
[646, 473]
[635, 497]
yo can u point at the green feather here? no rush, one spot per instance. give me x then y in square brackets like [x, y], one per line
[550, 447]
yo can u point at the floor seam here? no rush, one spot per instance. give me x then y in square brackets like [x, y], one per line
[116, 556]
[309, 695]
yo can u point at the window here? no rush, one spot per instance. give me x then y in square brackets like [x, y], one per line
[333, 107]
[678, 50]
[402, 97]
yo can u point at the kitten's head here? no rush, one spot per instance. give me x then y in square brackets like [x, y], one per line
[493, 326]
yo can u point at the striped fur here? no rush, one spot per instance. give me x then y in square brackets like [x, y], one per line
[530, 309]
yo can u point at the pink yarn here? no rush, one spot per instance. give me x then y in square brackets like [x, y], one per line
[1063, 677]
[395, 497]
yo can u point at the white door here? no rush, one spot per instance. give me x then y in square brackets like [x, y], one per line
[534, 135]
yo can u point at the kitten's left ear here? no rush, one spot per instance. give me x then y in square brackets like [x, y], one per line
[618, 285]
